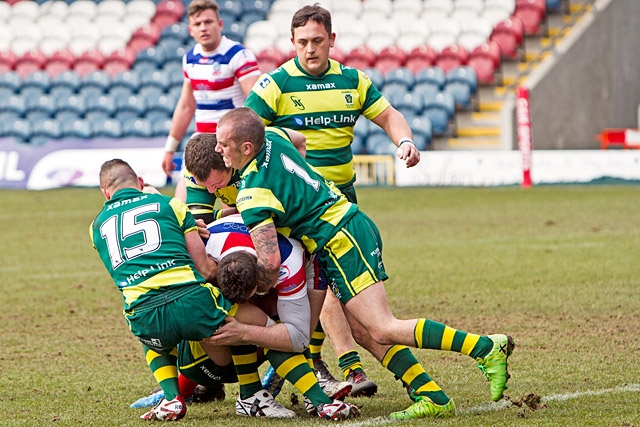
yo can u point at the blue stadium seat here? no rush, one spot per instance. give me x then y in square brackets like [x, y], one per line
[88, 92]
[74, 104]
[78, 128]
[138, 128]
[13, 104]
[409, 104]
[150, 58]
[462, 83]
[422, 131]
[393, 92]
[441, 110]
[18, 129]
[256, 6]
[231, 8]
[376, 77]
[235, 31]
[99, 79]
[164, 105]
[130, 106]
[116, 92]
[103, 104]
[360, 134]
[426, 89]
[400, 75]
[150, 93]
[38, 79]
[433, 75]
[160, 127]
[39, 108]
[127, 79]
[46, 129]
[68, 79]
[29, 92]
[11, 80]
[178, 31]
[156, 78]
[110, 128]
[380, 143]
[58, 92]
[6, 92]
[8, 117]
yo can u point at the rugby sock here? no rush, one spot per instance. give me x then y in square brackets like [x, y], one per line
[437, 336]
[165, 370]
[405, 366]
[245, 359]
[295, 368]
[315, 344]
[186, 385]
[349, 361]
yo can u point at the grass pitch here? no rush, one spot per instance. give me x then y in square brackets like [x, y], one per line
[554, 266]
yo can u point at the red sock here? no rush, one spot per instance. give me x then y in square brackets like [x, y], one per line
[186, 386]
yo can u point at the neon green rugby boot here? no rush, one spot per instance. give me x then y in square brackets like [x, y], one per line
[425, 407]
[494, 365]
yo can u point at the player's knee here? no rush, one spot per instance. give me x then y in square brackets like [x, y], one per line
[299, 338]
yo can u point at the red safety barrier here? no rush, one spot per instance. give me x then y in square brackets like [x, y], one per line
[627, 138]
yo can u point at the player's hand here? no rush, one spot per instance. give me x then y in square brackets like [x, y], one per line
[167, 163]
[202, 229]
[409, 153]
[231, 333]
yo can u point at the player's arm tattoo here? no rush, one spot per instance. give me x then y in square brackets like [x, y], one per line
[265, 241]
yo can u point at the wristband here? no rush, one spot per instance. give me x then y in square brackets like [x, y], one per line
[403, 140]
[172, 144]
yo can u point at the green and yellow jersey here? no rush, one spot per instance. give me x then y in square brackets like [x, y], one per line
[324, 108]
[279, 186]
[140, 239]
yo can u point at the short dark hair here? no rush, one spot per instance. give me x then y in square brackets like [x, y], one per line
[237, 276]
[201, 157]
[196, 7]
[315, 13]
[246, 126]
[116, 174]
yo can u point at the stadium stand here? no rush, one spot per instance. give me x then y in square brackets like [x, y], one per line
[123, 50]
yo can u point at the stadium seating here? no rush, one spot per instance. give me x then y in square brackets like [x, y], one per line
[485, 60]
[462, 83]
[19, 129]
[509, 34]
[39, 108]
[107, 128]
[440, 109]
[422, 131]
[533, 14]
[137, 128]
[454, 55]
[389, 58]
[43, 130]
[78, 128]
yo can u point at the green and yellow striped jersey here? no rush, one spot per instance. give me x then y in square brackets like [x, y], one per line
[279, 186]
[140, 239]
[324, 108]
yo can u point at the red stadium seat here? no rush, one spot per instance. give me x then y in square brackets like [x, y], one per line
[337, 54]
[485, 60]
[168, 12]
[389, 58]
[89, 61]
[145, 36]
[59, 61]
[360, 57]
[119, 61]
[421, 57]
[452, 56]
[7, 61]
[509, 34]
[534, 16]
[269, 59]
[29, 62]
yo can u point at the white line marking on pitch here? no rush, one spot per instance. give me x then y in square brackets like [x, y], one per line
[497, 406]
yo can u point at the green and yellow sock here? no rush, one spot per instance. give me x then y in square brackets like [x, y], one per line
[349, 361]
[165, 371]
[317, 340]
[294, 367]
[405, 366]
[437, 336]
[245, 359]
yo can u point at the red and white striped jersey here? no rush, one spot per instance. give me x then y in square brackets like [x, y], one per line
[215, 78]
[229, 234]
